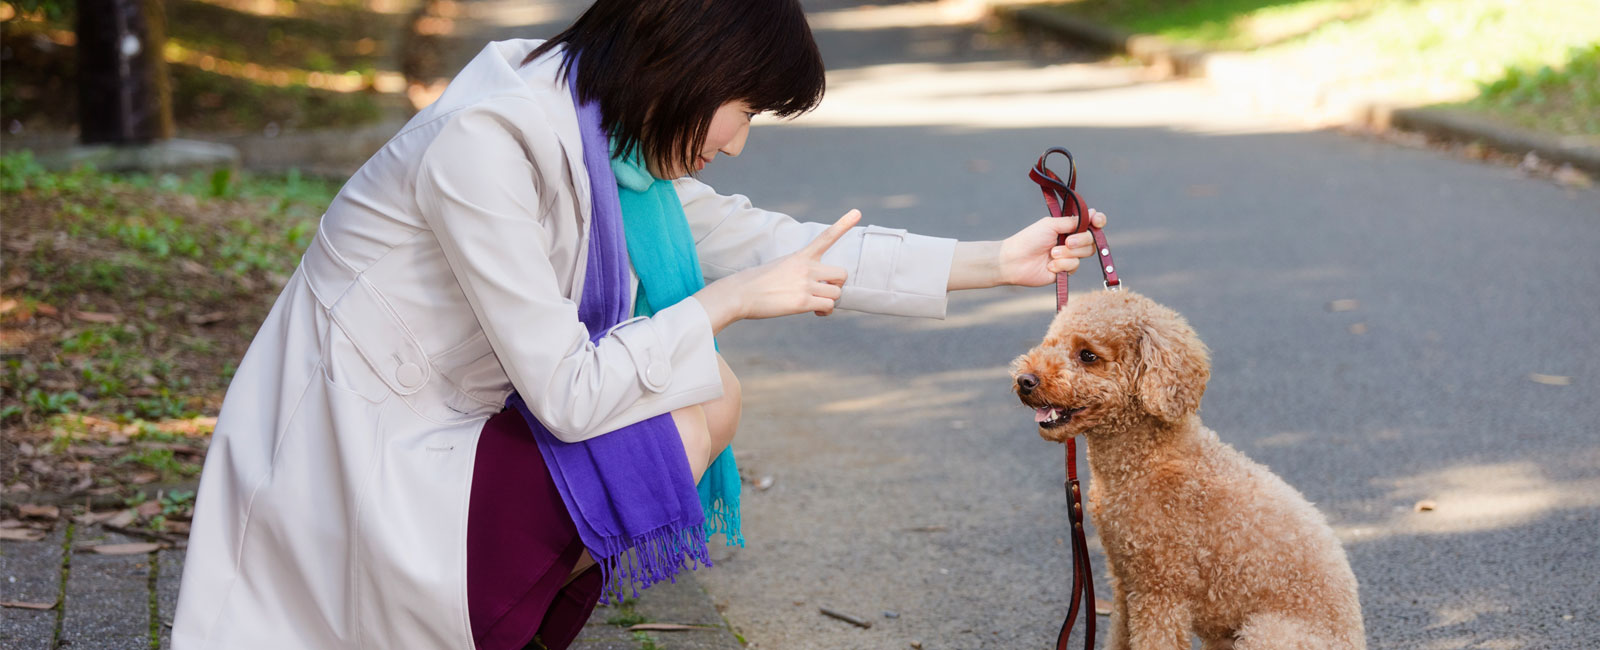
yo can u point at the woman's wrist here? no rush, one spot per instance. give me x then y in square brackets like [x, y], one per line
[976, 266]
[721, 303]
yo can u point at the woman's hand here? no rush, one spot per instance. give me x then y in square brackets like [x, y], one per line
[1031, 257]
[793, 284]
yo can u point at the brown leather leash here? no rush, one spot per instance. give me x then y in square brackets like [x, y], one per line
[1063, 200]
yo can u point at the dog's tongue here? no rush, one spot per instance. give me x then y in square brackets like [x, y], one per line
[1044, 414]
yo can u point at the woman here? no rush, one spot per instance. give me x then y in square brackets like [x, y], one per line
[367, 487]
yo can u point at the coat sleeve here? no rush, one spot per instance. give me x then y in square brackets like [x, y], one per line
[891, 271]
[479, 188]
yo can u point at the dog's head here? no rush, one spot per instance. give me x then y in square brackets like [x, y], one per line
[1112, 360]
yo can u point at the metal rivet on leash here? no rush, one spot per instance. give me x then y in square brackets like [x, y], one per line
[1062, 199]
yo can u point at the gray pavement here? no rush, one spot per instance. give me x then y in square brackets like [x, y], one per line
[907, 481]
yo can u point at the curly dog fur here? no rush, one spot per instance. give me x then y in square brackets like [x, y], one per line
[1201, 539]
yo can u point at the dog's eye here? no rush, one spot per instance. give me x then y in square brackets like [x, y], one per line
[1087, 357]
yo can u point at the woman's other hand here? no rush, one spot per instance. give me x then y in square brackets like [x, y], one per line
[793, 284]
[1031, 257]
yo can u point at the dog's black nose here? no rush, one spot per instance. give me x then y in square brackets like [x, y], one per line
[1026, 383]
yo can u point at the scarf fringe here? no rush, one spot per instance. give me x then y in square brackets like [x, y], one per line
[631, 564]
[722, 517]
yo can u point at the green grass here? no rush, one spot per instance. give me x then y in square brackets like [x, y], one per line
[135, 295]
[1532, 62]
[1220, 24]
[1562, 99]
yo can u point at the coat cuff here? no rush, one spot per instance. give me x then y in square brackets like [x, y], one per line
[900, 274]
[676, 360]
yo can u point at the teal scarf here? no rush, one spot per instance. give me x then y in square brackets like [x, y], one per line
[661, 249]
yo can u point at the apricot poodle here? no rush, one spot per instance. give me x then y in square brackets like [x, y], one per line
[1201, 540]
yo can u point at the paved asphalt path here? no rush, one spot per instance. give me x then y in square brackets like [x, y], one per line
[907, 479]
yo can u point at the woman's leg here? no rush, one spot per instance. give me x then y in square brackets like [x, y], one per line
[722, 414]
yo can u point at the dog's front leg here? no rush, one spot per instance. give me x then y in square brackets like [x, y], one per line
[1117, 635]
[1157, 622]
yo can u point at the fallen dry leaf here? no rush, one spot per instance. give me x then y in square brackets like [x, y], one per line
[7, 305]
[95, 517]
[193, 267]
[1102, 607]
[141, 478]
[95, 316]
[21, 534]
[206, 319]
[11, 523]
[14, 604]
[1550, 380]
[1570, 177]
[668, 627]
[126, 549]
[38, 512]
[1345, 304]
[1358, 329]
[149, 508]
[123, 518]
[1425, 505]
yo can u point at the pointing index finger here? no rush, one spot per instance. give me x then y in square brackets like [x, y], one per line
[826, 240]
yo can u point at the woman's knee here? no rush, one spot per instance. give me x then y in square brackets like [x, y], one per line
[696, 437]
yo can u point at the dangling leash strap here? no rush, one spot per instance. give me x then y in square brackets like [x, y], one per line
[1063, 201]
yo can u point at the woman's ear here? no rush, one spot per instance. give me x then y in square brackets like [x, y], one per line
[1173, 368]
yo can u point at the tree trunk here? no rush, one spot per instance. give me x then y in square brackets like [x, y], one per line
[123, 93]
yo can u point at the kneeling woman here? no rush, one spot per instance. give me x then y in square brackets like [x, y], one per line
[495, 364]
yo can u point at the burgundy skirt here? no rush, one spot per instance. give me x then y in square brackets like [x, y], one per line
[521, 546]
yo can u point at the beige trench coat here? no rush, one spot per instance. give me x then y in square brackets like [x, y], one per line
[332, 511]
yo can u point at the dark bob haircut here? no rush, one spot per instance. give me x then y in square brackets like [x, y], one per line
[661, 68]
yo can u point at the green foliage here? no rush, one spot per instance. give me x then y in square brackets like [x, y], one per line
[646, 642]
[161, 460]
[156, 250]
[1563, 98]
[626, 617]
[53, 9]
[45, 403]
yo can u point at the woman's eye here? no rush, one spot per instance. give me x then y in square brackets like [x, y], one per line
[1087, 356]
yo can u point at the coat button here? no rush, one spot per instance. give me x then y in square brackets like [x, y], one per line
[408, 374]
[656, 375]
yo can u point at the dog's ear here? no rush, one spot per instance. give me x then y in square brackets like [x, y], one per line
[1173, 367]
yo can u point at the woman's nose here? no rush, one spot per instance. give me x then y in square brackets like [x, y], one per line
[1026, 382]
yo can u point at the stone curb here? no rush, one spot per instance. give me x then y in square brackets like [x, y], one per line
[1188, 61]
[1578, 151]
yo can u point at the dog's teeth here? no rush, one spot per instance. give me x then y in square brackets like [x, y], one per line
[1045, 414]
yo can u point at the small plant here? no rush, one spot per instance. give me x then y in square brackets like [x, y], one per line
[645, 641]
[42, 403]
[626, 617]
[161, 460]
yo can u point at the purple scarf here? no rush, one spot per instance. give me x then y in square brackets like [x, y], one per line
[631, 488]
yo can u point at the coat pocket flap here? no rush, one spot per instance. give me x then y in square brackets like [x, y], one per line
[382, 338]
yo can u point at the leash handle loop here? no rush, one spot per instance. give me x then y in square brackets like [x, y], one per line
[1063, 200]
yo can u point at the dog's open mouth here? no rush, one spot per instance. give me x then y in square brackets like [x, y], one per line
[1050, 417]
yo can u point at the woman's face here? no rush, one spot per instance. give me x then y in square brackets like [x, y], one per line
[730, 125]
